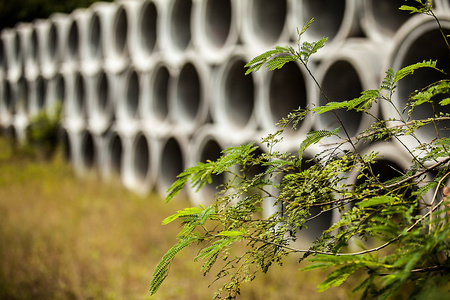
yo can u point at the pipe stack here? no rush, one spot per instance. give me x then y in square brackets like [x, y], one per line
[150, 87]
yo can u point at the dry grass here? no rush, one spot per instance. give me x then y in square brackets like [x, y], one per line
[63, 237]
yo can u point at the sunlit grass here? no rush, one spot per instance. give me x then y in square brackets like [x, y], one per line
[63, 237]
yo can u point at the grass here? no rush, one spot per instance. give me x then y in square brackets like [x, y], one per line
[63, 237]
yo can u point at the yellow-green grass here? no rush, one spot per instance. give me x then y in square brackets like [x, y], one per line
[64, 237]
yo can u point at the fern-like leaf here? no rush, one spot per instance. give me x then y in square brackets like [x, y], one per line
[162, 269]
[409, 70]
[313, 137]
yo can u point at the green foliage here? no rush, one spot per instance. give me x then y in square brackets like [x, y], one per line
[387, 232]
[43, 131]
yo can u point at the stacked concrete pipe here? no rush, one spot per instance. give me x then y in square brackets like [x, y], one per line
[150, 87]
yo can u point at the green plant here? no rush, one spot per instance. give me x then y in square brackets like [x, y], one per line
[43, 132]
[404, 240]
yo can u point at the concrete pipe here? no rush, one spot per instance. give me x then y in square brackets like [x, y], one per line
[114, 150]
[2, 58]
[352, 69]
[171, 161]
[38, 94]
[89, 147]
[282, 91]
[56, 93]
[216, 28]
[380, 20]
[206, 144]
[112, 33]
[265, 23]
[442, 5]
[335, 19]
[176, 32]
[8, 101]
[76, 105]
[128, 96]
[143, 40]
[139, 161]
[13, 53]
[234, 95]
[63, 24]
[188, 91]
[102, 93]
[419, 39]
[47, 35]
[29, 45]
[154, 101]
[85, 32]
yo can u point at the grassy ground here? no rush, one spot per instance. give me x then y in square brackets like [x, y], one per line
[63, 237]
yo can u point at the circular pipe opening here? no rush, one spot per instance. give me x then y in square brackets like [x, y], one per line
[268, 18]
[239, 93]
[148, 27]
[180, 26]
[88, 151]
[120, 31]
[218, 21]
[172, 163]
[116, 155]
[160, 92]
[386, 16]
[9, 97]
[188, 93]
[103, 101]
[34, 46]
[2, 56]
[141, 158]
[287, 91]
[341, 82]
[17, 49]
[328, 17]
[211, 150]
[428, 45]
[52, 43]
[22, 95]
[60, 89]
[132, 94]
[73, 41]
[41, 92]
[80, 96]
[67, 150]
[94, 43]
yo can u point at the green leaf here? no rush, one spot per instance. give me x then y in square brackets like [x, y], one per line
[181, 213]
[376, 201]
[409, 70]
[231, 233]
[313, 137]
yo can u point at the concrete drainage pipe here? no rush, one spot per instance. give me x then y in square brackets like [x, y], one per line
[112, 30]
[171, 158]
[144, 34]
[47, 35]
[127, 102]
[13, 56]
[381, 19]
[176, 32]
[264, 23]
[154, 102]
[56, 93]
[38, 92]
[282, 91]
[188, 90]
[29, 44]
[139, 160]
[343, 76]
[101, 100]
[206, 144]
[335, 19]
[234, 95]
[418, 40]
[216, 28]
